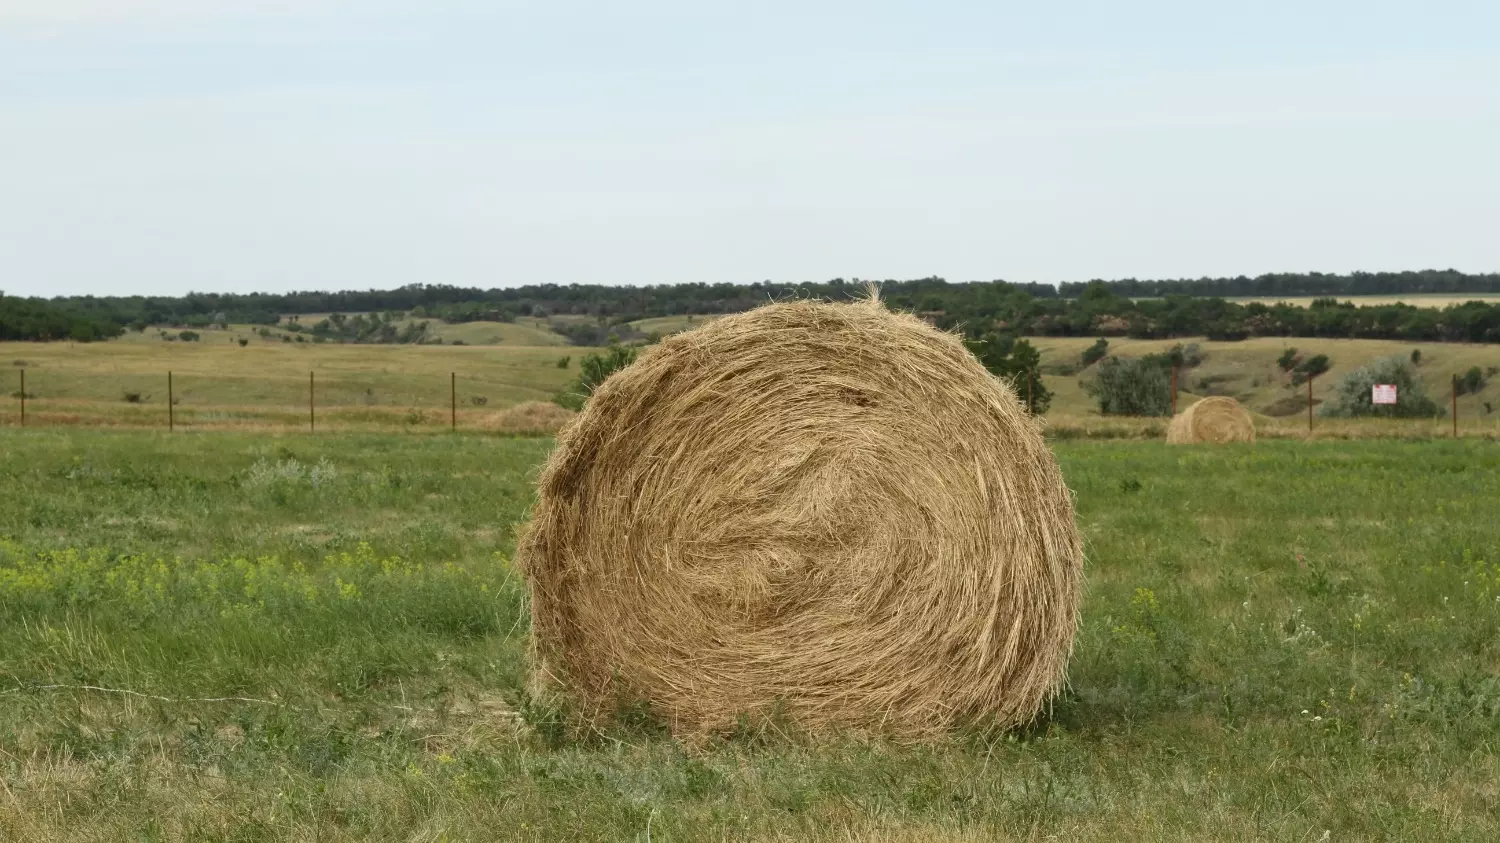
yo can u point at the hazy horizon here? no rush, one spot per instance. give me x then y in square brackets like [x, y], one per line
[156, 147]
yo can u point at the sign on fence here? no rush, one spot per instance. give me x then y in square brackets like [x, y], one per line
[1383, 393]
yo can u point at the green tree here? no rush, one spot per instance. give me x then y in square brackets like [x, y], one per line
[1132, 386]
[1019, 363]
[1288, 359]
[593, 370]
[1311, 368]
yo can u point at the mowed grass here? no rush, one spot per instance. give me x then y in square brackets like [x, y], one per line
[1286, 641]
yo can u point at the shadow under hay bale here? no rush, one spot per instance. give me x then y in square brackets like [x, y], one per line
[826, 513]
[537, 418]
[1215, 420]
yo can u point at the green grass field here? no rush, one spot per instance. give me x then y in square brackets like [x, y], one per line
[230, 636]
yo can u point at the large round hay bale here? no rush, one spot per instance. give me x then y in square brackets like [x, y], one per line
[1216, 420]
[827, 513]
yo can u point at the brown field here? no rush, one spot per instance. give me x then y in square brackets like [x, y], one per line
[219, 385]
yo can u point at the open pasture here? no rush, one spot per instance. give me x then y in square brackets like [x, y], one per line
[234, 636]
[219, 385]
[265, 384]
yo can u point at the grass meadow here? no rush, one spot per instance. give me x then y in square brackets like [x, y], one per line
[250, 636]
[219, 385]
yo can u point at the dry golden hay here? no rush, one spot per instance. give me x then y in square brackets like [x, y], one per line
[827, 513]
[1216, 420]
[536, 417]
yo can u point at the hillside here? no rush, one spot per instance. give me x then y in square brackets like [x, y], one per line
[1247, 371]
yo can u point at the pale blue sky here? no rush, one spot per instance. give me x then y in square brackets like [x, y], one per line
[161, 146]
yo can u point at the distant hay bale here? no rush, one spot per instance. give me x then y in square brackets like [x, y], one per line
[826, 513]
[1216, 420]
[530, 417]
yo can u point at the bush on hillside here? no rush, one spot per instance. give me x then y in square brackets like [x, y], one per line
[1132, 386]
[1096, 352]
[1352, 396]
[593, 369]
[1471, 381]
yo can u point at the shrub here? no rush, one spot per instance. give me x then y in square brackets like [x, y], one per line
[1131, 387]
[244, 342]
[592, 371]
[132, 397]
[1179, 356]
[1416, 357]
[562, 362]
[189, 336]
[1471, 381]
[1351, 397]
[1096, 352]
[1288, 359]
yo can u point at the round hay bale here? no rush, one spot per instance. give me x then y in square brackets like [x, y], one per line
[529, 417]
[827, 513]
[1216, 420]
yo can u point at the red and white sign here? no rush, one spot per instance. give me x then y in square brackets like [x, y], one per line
[1383, 393]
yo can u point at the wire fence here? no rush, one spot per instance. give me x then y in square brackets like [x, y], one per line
[415, 402]
[322, 403]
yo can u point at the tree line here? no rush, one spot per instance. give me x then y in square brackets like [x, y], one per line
[1130, 307]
